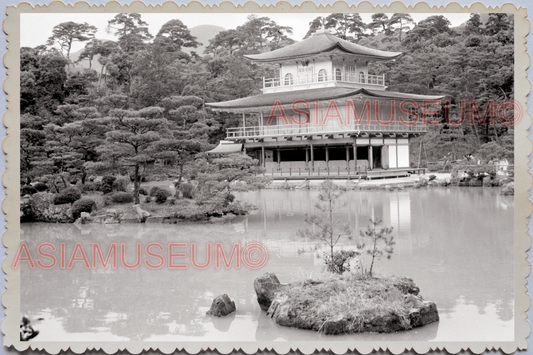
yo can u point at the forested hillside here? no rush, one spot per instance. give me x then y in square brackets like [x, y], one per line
[142, 112]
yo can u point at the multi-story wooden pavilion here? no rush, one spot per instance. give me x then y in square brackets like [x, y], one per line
[325, 114]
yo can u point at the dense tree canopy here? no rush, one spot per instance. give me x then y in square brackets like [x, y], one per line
[143, 109]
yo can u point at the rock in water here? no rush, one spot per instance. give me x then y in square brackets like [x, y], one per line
[266, 287]
[26, 330]
[426, 314]
[508, 189]
[143, 215]
[222, 306]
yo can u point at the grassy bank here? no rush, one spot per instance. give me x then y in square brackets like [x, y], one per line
[183, 208]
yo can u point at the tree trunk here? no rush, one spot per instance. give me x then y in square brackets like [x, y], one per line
[373, 251]
[64, 181]
[178, 183]
[83, 176]
[334, 267]
[136, 184]
[54, 185]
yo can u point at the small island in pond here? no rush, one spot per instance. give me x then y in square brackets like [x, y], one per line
[349, 303]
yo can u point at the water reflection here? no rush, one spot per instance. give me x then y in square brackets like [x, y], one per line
[457, 244]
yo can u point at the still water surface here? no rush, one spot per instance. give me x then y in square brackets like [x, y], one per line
[455, 243]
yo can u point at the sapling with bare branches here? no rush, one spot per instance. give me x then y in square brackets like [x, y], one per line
[324, 226]
[382, 242]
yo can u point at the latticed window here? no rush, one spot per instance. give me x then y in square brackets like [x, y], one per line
[289, 79]
[338, 74]
[322, 75]
[361, 77]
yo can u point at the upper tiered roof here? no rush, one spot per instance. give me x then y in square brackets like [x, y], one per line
[322, 42]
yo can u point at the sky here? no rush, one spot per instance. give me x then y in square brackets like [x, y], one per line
[36, 28]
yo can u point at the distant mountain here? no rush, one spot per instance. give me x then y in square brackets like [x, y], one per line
[203, 34]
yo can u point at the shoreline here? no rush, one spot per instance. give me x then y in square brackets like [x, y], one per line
[122, 213]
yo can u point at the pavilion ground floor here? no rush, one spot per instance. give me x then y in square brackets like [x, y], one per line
[336, 158]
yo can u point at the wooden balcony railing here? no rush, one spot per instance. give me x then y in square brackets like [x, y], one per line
[288, 130]
[338, 76]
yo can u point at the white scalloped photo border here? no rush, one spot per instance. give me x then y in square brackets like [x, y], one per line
[10, 205]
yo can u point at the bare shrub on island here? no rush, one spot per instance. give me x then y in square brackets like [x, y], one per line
[323, 226]
[329, 230]
[382, 242]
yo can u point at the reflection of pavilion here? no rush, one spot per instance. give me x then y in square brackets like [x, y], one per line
[284, 215]
[325, 113]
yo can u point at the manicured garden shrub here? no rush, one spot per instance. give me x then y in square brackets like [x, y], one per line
[68, 195]
[108, 180]
[82, 205]
[106, 189]
[341, 260]
[40, 186]
[142, 192]
[161, 196]
[155, 190]
[107, 184]
[108, 200]
[27, 190]
[91, 186]
[121, 184]
[122, 197]
[187, 190]
[229, 199]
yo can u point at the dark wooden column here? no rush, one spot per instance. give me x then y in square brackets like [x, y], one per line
[347, 154]
[263, 155]
[312, 157]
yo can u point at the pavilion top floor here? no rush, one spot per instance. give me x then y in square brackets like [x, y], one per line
[323, 60]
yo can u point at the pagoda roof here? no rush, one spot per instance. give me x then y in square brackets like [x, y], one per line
[310, 95]
[321, 42]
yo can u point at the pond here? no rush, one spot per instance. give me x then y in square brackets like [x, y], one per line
[455, 243]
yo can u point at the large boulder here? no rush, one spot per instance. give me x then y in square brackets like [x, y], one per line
[425, 314]
[222, 306]
[266, 287]
[45, 211]
[142, 214]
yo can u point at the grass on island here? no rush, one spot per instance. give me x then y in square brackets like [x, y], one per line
[353, 297]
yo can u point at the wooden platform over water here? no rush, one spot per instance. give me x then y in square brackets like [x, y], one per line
[304, 174]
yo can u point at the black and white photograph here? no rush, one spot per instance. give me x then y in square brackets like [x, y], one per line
[341, 178]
